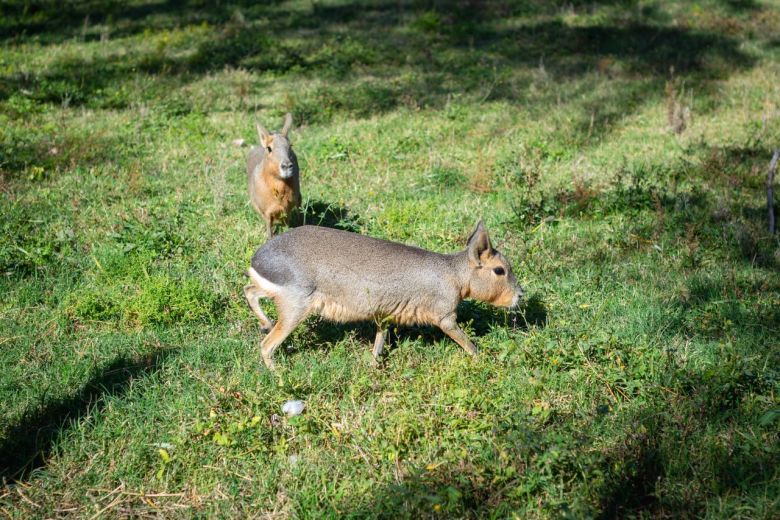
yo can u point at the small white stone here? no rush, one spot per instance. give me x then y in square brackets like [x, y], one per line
[292, 408]
[238, 142]
[293, 460]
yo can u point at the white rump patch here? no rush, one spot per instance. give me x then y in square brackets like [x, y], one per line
[269, 288]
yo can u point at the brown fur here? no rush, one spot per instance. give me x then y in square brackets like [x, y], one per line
[275, 198]
[274, 178]
[348, 277]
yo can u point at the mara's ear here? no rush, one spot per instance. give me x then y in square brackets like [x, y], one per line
[287, 124]
[478, 244]
[263, 134]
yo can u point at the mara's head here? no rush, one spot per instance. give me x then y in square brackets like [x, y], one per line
[490, 276]
[279, 149]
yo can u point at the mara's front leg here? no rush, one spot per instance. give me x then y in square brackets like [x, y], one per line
[269, 227]
[453, 330]
[379, 344]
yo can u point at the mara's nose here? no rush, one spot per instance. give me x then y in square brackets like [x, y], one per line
[287, 165]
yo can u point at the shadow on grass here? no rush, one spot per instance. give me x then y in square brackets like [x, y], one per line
[449, 45]
[41, 155]
[28, 444]
[681, 439]
[715, 308]
[503, 472]
[482, 317]
[53, 21]
[717, 203]
[321, 213]
[633, 489]
[373, 57]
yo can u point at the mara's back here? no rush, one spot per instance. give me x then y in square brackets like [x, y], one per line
[356, 268]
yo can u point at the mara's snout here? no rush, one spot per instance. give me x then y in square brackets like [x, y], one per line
[286, 170]
[349, 277]
[519, 293]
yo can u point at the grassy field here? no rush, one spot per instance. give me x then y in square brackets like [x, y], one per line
[617, 151]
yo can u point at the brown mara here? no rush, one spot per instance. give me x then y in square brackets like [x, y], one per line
[273, 176]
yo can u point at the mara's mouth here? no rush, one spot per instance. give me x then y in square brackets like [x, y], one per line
[508, 302]
[516, 298]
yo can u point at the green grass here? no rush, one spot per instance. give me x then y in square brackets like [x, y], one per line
[639, 379]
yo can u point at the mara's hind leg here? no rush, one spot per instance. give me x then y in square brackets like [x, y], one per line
[290, 315]
[253, 294]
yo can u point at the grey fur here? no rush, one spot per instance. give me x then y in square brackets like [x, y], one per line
[281, 151]
[349, 277]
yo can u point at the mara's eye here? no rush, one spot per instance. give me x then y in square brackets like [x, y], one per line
[499, 271]
[268, 148]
